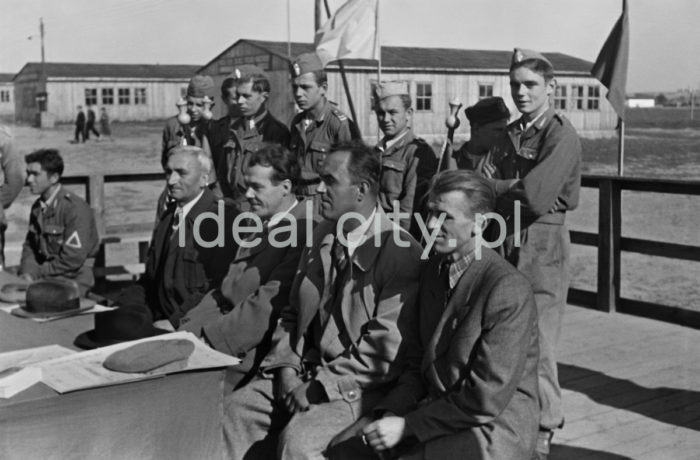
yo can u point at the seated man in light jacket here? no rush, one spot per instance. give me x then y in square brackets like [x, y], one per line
[338, 347]
[239, 318]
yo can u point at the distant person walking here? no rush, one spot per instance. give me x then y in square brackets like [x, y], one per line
[90, 127]
[80, 125]
[105, 126]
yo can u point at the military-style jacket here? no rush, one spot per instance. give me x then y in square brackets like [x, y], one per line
[311, 140]
[233, 140]
[175, 134]
[546, 160]
[407, 167]
[62, 240]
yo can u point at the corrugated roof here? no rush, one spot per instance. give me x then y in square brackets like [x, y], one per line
[78, 70]
[5, 77]
[434, 58]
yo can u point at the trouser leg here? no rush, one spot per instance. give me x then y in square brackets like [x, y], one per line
[543, 258]
[252, 421]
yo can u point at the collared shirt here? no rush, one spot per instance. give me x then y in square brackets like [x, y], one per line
[52, 198]
[182, 211]
[457, 268]
[386, 144]
[277, 218]
[356, 237]
[253, 122]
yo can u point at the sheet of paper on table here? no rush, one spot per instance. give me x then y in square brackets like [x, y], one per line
[20, 367]
[85, 370]
[97, 308]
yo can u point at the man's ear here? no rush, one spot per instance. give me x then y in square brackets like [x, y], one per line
[287, 186]
[364, 189]
[54, 178]
[551, 85]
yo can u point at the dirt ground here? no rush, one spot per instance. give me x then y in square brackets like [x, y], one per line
[650, 152]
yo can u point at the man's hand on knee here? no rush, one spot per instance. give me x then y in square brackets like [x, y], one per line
[301, 397]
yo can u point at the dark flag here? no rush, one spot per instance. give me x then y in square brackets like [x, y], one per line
[611, 66]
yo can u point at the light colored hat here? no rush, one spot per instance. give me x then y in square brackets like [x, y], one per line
[522, 54]
[305, 63]
[391, 88]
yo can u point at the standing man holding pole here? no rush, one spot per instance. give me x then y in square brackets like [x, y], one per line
[536, 170]
[318, 127]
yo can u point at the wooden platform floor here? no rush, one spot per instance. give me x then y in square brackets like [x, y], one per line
[631, 388]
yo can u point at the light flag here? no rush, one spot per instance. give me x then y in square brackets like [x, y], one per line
[351, 33]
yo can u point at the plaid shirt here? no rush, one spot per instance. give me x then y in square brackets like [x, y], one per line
[457, 268]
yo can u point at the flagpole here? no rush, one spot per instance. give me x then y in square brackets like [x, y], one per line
[351, 105]
[289, 30]
[621, 147]
[378, 47]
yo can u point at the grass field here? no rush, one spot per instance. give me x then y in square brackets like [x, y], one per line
[659, 143]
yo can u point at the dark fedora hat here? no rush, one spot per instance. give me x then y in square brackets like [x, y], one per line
[120, 325]
[50, 298]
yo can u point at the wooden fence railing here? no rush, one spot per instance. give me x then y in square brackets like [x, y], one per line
[608, 240]
[611, 244]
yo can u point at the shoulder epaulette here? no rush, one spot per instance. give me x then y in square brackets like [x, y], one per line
[338, 114]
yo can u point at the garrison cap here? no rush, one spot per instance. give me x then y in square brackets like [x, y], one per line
[487, 110]
[201, 86]
[391, 88]
[245, 71]
[305, 63]
[522, 54]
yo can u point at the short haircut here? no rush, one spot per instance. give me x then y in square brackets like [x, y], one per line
[194, 152]
[260, 82]
[536, 65]
[363, 165]
[480, 194]
[283, 162]
[49, 159]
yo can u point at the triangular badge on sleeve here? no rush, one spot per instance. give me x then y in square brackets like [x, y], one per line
[74, 240]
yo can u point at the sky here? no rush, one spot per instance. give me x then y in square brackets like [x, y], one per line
[663, 34]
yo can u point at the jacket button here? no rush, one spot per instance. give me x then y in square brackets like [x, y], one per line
[352, 394]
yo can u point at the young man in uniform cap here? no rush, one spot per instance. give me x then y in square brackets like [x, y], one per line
[538, 164]
[62, 239]
[233, 139]
[199, 98]
[408, 162]
[488, 120]
[319, 126]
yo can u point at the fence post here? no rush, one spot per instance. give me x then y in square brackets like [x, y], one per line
[96, 198]
[609, 231]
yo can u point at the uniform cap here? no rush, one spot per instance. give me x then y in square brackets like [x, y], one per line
[522, 54]
[305, 63]
[487, 111]
[245, 71]
[391, 88]
[201, 86]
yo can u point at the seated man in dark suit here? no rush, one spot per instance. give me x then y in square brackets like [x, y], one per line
[239, 318]
[476, 378]
[186, 258]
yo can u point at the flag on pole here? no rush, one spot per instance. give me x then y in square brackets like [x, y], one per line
[351, 33]
[611, 66]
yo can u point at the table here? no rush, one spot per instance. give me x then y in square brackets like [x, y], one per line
[176, 416]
